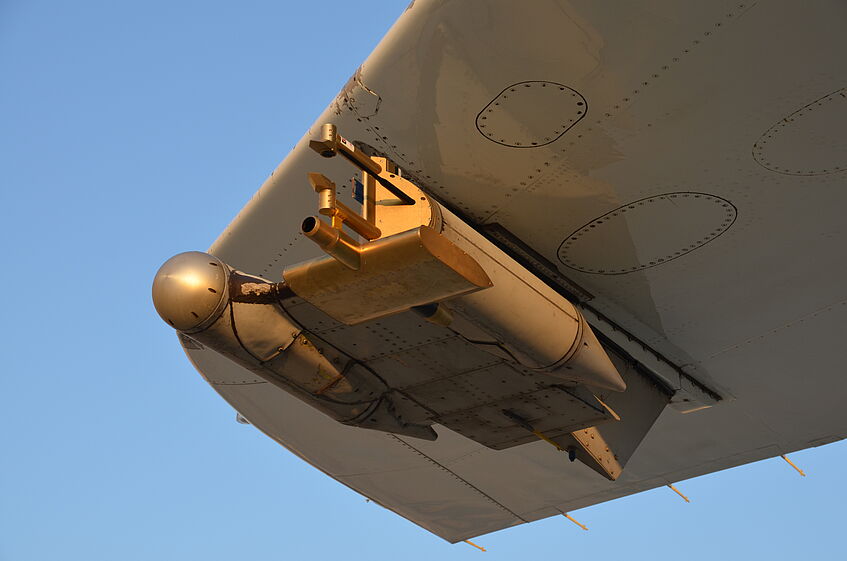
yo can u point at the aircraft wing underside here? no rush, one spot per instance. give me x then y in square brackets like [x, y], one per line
[677, 169]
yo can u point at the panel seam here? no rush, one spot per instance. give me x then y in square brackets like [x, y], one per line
[462, 480]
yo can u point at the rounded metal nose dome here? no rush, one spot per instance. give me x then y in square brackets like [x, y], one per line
[190, 290]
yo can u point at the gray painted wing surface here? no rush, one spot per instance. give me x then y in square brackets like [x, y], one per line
[683, 162]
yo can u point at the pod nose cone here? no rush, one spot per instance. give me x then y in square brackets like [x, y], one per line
[190, 289]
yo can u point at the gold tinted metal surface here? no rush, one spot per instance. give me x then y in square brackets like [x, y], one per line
[336, 243]
[572, 519]
[332, 143]
[189, 290]
[678, 492]
[329, 205]
[596, 453]
[393, 217]
[408, 269]
[800, 471]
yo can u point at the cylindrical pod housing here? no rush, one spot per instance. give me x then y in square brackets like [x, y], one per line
[527, 319]
[239, 316]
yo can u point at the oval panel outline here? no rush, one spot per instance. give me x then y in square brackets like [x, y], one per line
[732, 211]
[758, 149]
[540, 144]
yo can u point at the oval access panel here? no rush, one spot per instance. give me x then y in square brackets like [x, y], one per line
[810, 141]
[647, 232]
[531, 114]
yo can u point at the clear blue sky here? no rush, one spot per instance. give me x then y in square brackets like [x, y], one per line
[133, 131]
